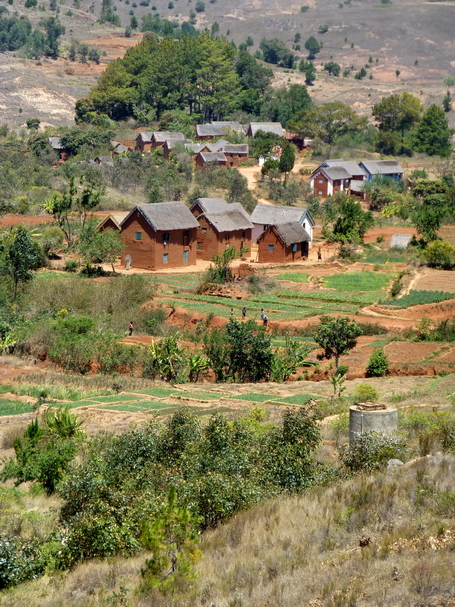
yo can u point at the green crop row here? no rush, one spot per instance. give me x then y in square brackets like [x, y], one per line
[415, 298]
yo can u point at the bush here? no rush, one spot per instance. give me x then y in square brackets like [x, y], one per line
[366, 392]
[439, 254]
[155, 321]
[378, 365]
[71, 265]
[370, 451]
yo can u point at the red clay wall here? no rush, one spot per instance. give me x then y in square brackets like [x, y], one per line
[109, 225]
[320, 187]
[214, 242]
[148, 252]
[281, 253]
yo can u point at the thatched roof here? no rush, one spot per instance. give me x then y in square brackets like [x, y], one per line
[162, 136]
[336, 173]
[117, 218]
[267, 127]
[269, 214]
[232, 217]
[213, 156]
[291, 233]
[166, 216]
[210, 205]
[145, 136]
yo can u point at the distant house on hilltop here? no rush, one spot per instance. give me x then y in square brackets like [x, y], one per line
[112, 221]
[283, 243]
[159, 236]
[265, 215]
[221, 225]
[148, 140]
[57, 147]
[217, 158]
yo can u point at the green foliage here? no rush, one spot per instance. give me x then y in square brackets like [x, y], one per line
[172, 539]
[439, 254]
[366, 392]
[250, 353]
[370, 451]
[396, 115]
[309, 69]
[344, 219]
[166, 359]
[328, 122]
[313, 47]
[336, 336]
[45, 452]
[433, 135]
[286, 360]
[276, 52]
[333, 68]
[415, 298]
[427, 221]
[100, 246]
[22, 255]
[287, 160]
[378, 364]
[357, 281]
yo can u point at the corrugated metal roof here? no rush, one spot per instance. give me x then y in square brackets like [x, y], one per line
[218, 145]
[55, 142]
[336, 172]
[351, 167]
[400, 241]
[382, 167]
[267, 127]
[145, 136]
[121, 149]
[236, 148]
[292, 232]
[269, 214]
[166, 216]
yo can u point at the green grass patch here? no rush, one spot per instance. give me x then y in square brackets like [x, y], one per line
[12, 407]
[254, 397]
[200, 395]
[158, 392]
[415, 298]
[118, 398]
[379, 343]
[139, 406]
[358, 281]
[293, 276]
[296, 399]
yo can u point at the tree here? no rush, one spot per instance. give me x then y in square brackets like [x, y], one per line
[427, 221]
[378, 365]
[276, 52]
[249, 41]
[333, 68]
[54, 30]
[433, 135]
[309, 69]
[447, 102]
[33, 124]
[287, 160]
[439, 254]
[313, 47]
[396, 115]
[336, 336]
[345, 221]
[22, 255]
[328, 121]
[97, 247]
[250, 351]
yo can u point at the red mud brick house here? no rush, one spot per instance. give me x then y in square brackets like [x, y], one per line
[221, 225]
[143, 142]
[170, 144]
[159, 236]
[57, 147]
[112, 221]
[283, 243]
[265, 215]
[217, 158]
[159, 138]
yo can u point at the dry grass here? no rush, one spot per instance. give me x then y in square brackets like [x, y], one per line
[302, 551]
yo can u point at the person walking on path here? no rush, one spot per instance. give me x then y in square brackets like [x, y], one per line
[319, 254]
[262, 314]
[243, 312]
[265, 320]
[231, 312]
[131, 327]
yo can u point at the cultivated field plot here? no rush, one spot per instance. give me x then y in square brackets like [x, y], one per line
[436, 280]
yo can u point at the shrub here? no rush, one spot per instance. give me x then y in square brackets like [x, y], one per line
[378, 365]
[366, 392]
[370, 451]
[155, 321]
[71, 265]
[439, 254]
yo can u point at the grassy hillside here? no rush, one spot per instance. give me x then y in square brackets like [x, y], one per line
[303, 551]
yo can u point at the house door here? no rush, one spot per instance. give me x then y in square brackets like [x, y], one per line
[185, 257]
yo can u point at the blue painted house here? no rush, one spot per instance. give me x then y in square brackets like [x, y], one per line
[382, 168]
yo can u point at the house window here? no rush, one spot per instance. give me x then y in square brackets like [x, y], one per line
[204, 230]
[271, 248]
[166, 237]
[294, 248]
[186, 238]
[321, 181]
[200, 246]
[320, 192]
[138, 235]
[228, 236]
[243, 234]
[165, 257]
[266, 227]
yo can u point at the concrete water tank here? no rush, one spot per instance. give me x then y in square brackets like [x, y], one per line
[371, 418]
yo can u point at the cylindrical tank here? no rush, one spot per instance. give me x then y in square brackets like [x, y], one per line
[363, 418]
